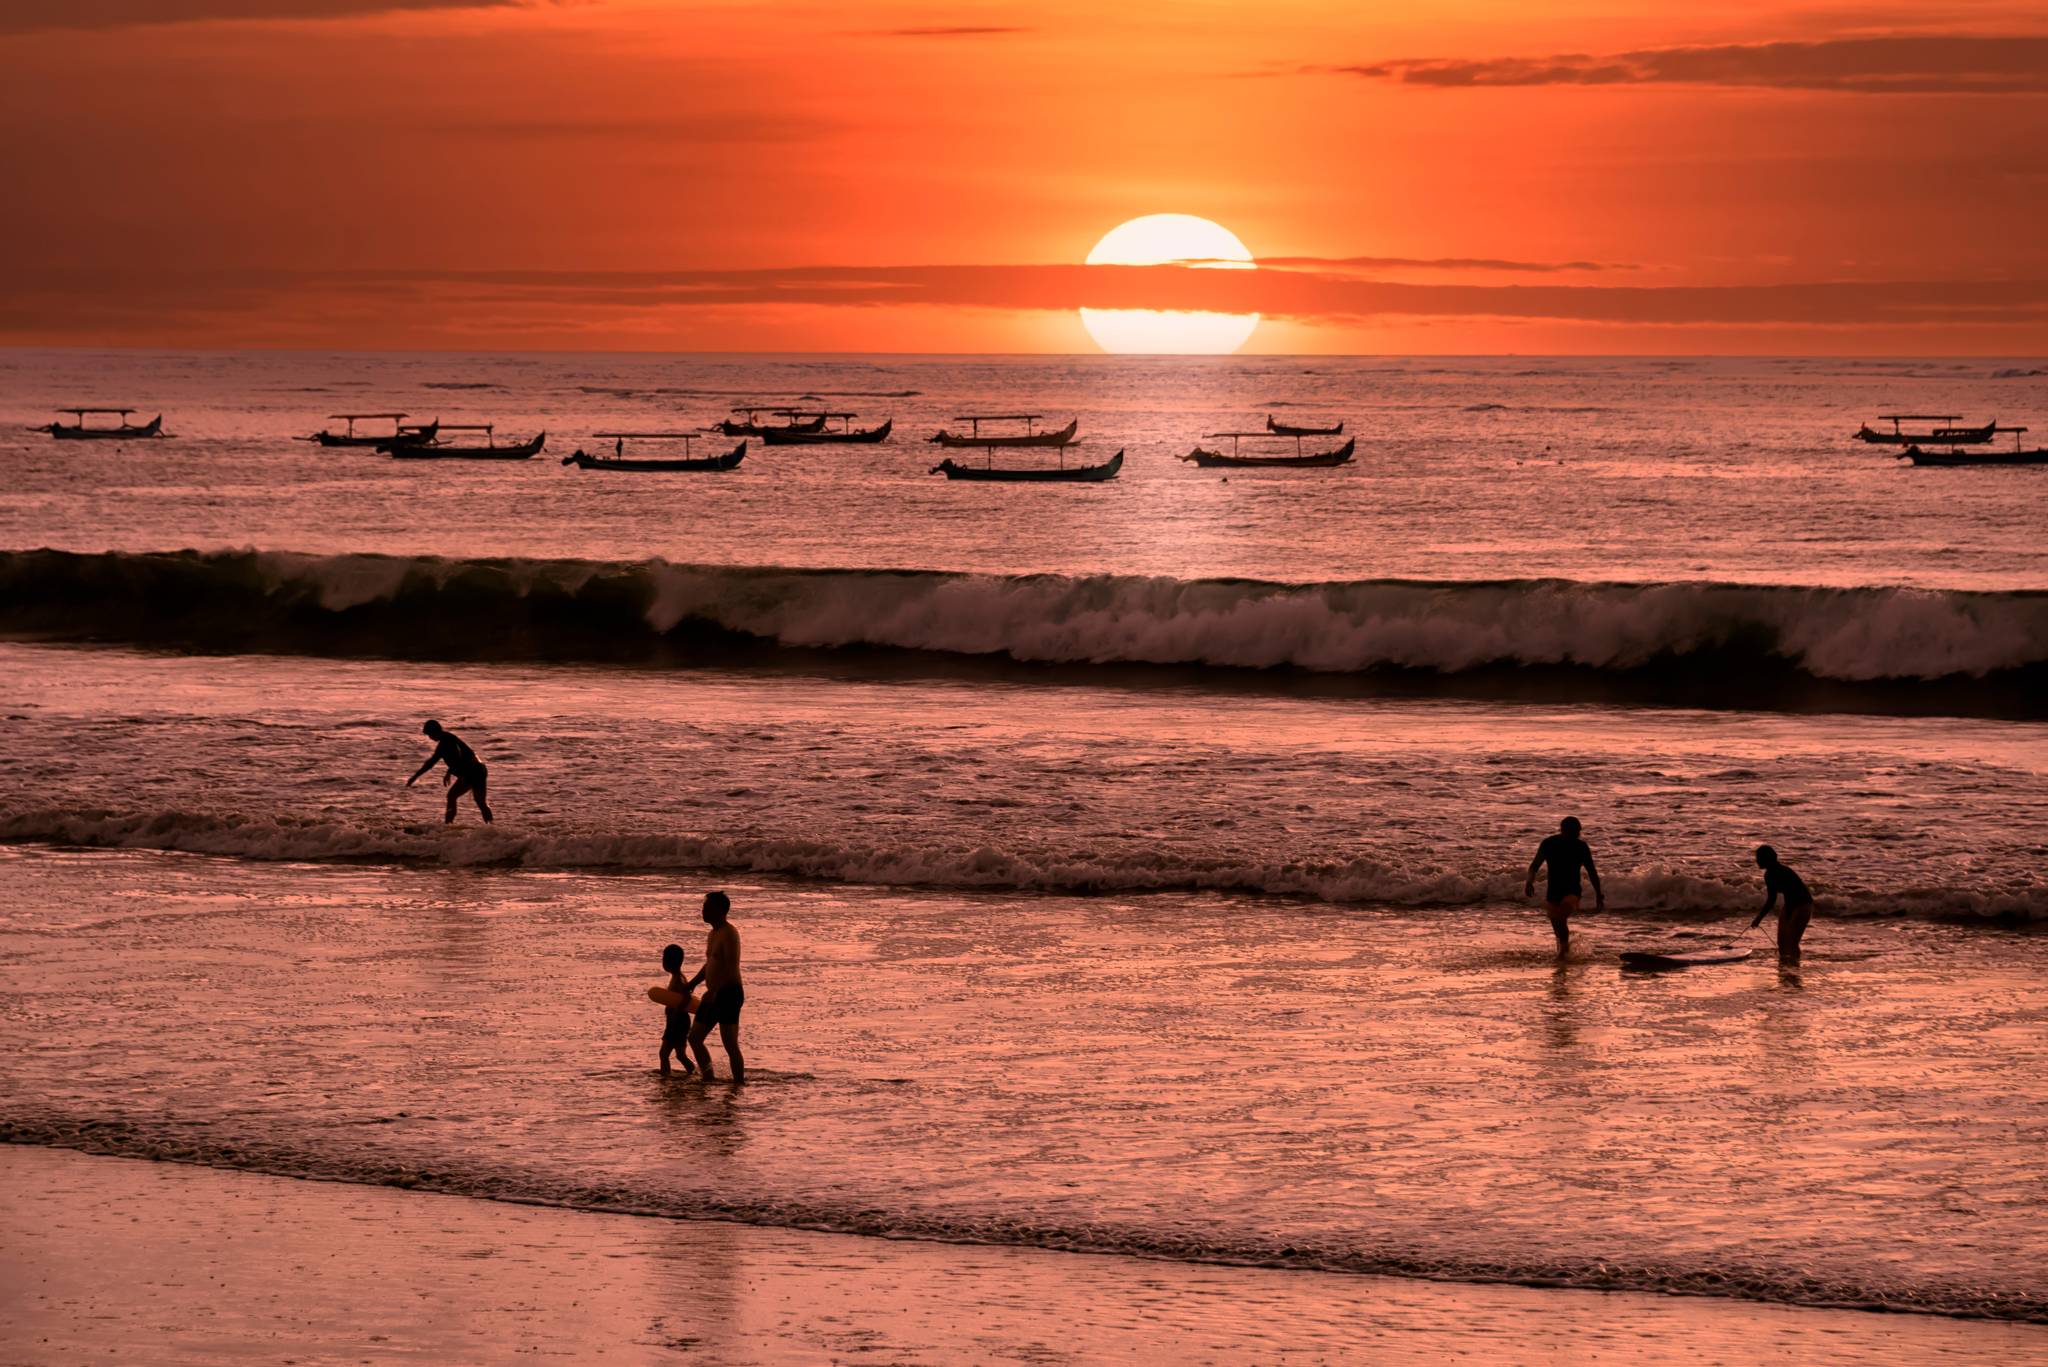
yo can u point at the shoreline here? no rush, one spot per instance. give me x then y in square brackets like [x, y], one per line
[1282, 1260]
[179, 1263]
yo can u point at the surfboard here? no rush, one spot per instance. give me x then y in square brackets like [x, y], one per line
[1685, 958]
[662, 996]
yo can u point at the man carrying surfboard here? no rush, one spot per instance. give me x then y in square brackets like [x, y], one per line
[723, 994]
[466, 773]
[1565, 854]
[1779, 880]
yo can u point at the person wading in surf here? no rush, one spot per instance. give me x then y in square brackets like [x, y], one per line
[1565, 854]
[1780, 880]
[675, 1020]
[466, 773]
[723, 994]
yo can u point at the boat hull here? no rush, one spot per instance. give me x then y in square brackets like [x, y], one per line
[1063, 437]
[783, 436]
[729, 428]
[729, 461]
[1281, 429]
[127, 432]
[1320, 460]
[1959, 459]
[1074, 474]
[428, 451]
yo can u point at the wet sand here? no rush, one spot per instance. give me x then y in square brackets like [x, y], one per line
[110, 1259]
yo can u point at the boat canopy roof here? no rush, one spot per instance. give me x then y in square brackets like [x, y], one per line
[358, 417]
[649, 436]
[1919, 417]
[810, 413]
[81, 412]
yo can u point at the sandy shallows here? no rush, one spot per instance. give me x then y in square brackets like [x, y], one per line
[108, 1259]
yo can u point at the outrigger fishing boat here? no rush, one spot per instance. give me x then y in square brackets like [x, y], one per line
[490, 450]
[1940, 436]
[401, 430]
[752, 426]
[1300, 460]
[121, 431]
[1030, 436]
[1282, 429]
[1063, 473]
[619, 460]
[1954, 458]
[799, 435]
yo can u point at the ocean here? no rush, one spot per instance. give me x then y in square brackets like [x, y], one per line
[1124, 868]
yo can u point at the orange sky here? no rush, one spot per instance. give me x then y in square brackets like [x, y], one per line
[636, 174]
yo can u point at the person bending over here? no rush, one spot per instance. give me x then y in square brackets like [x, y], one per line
[466, 773]
[1779, 880]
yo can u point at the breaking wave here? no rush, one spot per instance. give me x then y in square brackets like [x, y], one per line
[964, 864]
[1694, 643]
[1364, 1253]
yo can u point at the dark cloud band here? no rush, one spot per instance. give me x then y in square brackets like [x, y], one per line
[1886, 65]
[30, 16]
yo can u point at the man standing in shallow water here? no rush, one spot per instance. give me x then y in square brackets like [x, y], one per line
[1565, 854]
[723, 994]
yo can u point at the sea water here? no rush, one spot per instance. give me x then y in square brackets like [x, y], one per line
[1126, 867]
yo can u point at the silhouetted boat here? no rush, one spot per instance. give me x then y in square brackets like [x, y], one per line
[730, 460]
[400, 431]
[1063, 474]
[754, 427]
[121, 431]
[2037, 456]
[1282, 429]
[1028, 437]
[1300, 460]
[1940, 436]
[794, 435]
[490, 450]
[348, 436]
[1953, 458]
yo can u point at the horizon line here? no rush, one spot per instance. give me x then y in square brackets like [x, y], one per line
[1037, 355]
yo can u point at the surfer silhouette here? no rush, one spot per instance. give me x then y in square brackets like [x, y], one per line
[723, 994]
[466, 773]
[1564, 854]
[675, 1030]
[1780, 881]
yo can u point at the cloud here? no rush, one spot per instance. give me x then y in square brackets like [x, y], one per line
[946, 31]
[30, 16]
[1892, 64]
[695, 127]
[1432, 263]
[1305, 296]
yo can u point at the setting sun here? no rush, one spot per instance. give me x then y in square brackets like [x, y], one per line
[1166, 239]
